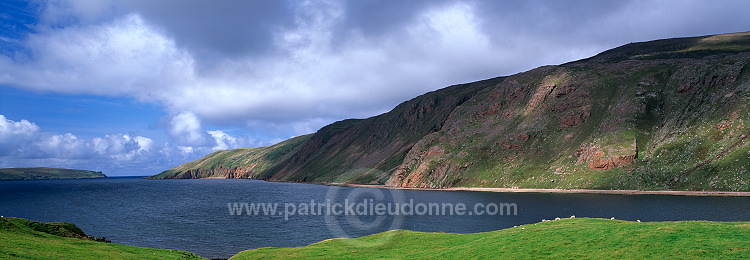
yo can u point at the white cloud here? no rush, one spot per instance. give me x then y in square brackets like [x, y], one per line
[14, 134]
[64, 146]
[11, 129]
[123, 147]
[121, 57]
[185, 129]
[313, 78]
[186, 150]
[223, 140]
[317, 68]
[144, 143]
[23, 143]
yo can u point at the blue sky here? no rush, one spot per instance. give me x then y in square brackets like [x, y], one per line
[87, 116]
[135, 87]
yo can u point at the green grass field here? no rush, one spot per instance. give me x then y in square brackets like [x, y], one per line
[25, 239]
[579, 238]
[569, 238]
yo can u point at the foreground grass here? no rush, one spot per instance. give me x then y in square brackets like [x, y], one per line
[561, 239]
[21, 238]
[578, 238]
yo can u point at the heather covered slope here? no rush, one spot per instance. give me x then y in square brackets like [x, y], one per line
[665, 114]
[42, 173]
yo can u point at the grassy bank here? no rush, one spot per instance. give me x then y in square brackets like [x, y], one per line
[21, 238]
[579, 238]
[569, 238]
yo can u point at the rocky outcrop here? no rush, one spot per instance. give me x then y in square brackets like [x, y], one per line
[248, 172]
[607, 158]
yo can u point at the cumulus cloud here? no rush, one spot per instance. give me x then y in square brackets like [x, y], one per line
[223, 140]
[23, 143]
[185, 129]
[120, 57]
[14, 134]
[277, 63]
[24, 139]
[10, 129]
[64, 146]
[123, 147]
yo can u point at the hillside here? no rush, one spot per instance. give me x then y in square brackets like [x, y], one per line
[235, 163]
[666, 114]
[41, 173]
[579, 238]
[25, 239]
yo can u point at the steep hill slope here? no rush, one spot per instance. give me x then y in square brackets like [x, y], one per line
[665, 114]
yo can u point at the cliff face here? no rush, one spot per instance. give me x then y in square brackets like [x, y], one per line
[666, 114]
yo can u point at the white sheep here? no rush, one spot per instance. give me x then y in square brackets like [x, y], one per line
[574, 216]
[557, 218]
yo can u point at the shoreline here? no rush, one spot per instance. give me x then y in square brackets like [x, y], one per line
[574, 191]
[519, 190]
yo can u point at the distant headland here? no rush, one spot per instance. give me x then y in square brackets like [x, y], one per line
[43, 173]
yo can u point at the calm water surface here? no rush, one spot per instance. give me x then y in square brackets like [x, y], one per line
[194, 215]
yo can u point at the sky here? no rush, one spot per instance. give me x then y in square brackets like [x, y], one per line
[135, 87]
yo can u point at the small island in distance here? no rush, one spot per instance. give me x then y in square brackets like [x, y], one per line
[43, 173]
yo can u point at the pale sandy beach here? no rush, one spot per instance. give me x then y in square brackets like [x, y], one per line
[620, 192]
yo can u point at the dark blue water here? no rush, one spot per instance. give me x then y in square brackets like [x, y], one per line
[194, 215]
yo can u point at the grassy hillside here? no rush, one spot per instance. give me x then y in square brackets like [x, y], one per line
[661, 115]
[369, 150]
[41, 173]
[25, 239]
[578, 238]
